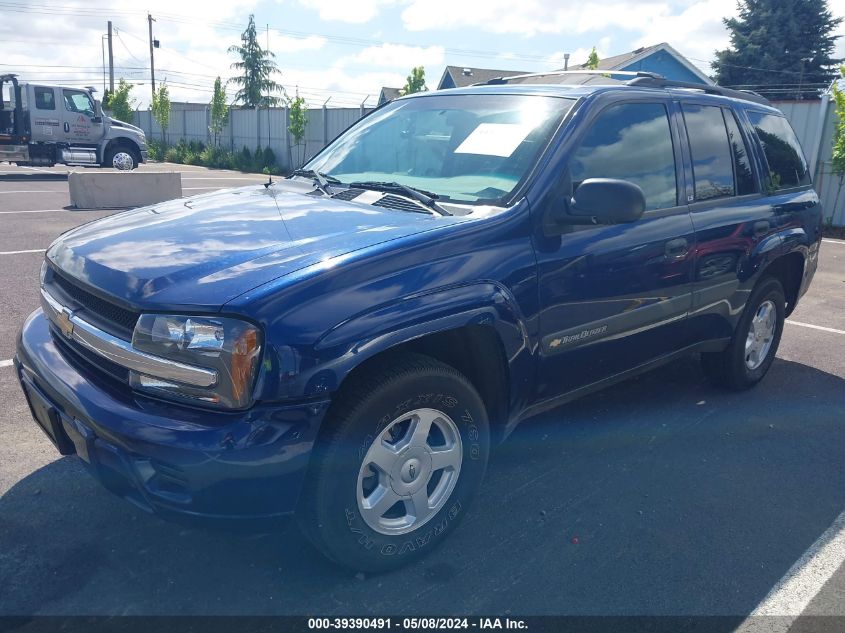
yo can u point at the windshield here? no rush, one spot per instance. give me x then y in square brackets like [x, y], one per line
[465, 148]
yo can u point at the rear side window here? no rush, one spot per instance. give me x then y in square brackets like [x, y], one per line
[45, 99]
[712, 165]
[630, 141]
[787, 165]
[742, 163]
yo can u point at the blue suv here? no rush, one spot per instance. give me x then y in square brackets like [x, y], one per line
[346, 344]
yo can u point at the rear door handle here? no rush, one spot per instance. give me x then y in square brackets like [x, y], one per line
[677, 248]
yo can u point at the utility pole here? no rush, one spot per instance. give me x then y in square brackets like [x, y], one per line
[150, 19]
[111, 62]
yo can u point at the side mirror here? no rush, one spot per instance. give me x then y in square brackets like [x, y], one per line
[607, 201]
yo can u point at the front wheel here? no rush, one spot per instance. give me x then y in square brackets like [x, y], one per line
[755, 341]
[402, 454]
[121, 158]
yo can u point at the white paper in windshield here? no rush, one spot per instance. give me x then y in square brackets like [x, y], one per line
[495, 139]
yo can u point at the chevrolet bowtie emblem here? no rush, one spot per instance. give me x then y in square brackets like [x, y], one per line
[64, 323]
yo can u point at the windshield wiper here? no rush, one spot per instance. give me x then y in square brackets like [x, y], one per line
[321, 180]
[420, 195]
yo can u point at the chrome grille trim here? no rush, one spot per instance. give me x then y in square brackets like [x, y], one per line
[119, 351]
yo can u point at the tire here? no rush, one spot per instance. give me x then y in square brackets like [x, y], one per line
[123, 155]
[370, 431]
[736, 367]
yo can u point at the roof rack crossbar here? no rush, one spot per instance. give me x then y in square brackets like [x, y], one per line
[555, 73]
[662, 82]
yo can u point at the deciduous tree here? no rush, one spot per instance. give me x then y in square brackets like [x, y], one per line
[219, 111]
[415, 81]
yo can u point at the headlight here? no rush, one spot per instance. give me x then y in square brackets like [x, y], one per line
[229, 346]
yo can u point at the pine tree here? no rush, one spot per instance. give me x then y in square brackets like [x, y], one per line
[781, 48]
[256, 85]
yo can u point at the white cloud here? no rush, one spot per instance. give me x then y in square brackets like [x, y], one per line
[696, 32]
[352, 11]
[397, 56]
[530, 17]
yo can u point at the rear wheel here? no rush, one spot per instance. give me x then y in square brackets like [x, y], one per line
[402, 455]
[755, 341]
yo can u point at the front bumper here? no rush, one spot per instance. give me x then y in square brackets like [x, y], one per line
[166, 458]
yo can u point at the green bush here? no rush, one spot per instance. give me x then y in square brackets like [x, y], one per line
[263, 160]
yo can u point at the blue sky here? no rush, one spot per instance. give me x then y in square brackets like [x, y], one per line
[344, 49]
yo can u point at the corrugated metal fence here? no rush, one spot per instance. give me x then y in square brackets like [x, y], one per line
[813, 122]
[253, 128]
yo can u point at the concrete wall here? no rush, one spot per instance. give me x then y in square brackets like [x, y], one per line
[95, 189]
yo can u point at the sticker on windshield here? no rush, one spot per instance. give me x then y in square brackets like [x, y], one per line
[495, 139]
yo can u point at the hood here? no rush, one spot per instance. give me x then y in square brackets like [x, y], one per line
[126, 126]
[201, 252]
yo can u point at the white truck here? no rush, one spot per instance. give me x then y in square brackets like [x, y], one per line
[42, 125]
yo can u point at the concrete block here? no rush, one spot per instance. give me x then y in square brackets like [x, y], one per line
[92, 189]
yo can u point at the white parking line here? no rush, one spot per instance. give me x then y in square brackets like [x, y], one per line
[46, 211]
[791, 595]
[6, 363]
[34, 250]
[830, 240]
[259, 177]
[815, 327]
[35, 191]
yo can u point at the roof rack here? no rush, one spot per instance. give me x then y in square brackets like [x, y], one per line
[555, 73]
[662, 82]
[642, 79]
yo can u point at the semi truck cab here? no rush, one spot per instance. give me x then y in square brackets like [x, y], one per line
[42, 125]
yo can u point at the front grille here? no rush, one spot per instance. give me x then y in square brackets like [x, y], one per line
[111, 317]
[397, 202]
[92, 364]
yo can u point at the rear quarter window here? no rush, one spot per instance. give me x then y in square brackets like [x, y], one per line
[44, 99]
[785, 158]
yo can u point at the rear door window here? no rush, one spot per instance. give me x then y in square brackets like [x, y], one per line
[712, 161]
[787, 165]
[633, 142]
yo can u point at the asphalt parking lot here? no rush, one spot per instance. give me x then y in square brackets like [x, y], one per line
[660, 496]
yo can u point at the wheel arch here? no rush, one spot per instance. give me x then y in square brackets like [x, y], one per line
[477, 329]
[121, 141]
[789, 270]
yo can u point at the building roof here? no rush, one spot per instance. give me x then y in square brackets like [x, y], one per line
[618, 62]
[389, 94]
[466, 76]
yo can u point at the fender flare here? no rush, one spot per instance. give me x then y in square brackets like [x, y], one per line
[349, 343]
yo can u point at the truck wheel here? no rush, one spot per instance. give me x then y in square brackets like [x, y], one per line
[755, 341]
[401, 455]
[121, 158]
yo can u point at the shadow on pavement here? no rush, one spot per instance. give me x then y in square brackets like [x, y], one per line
[660, 496]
